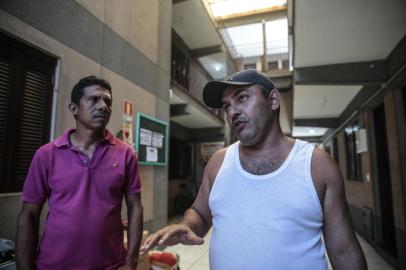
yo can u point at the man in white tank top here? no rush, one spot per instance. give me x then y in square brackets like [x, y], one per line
[268, 197]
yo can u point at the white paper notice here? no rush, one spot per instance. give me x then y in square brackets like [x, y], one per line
[157, 139]
[152, 154]
[145, 136]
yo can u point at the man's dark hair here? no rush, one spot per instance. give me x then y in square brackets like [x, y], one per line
[77, 91]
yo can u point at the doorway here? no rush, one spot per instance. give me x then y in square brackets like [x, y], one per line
[384, 182]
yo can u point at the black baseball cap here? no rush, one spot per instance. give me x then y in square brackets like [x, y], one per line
[213, 91]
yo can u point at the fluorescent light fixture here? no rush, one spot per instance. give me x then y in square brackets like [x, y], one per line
[308, 131]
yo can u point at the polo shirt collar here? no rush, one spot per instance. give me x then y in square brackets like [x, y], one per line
[64, 139]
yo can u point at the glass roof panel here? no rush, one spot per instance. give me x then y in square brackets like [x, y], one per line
[277, 36]
[227, 8]
[245, 40]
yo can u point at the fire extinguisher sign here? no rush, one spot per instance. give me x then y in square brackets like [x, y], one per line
[128, 113]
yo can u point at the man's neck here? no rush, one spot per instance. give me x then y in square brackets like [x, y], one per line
[270, 143]
[266, 156]
[85, 139]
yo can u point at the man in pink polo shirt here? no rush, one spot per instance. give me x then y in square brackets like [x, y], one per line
[84, 175]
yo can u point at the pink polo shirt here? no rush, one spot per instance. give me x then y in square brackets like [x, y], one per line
[83, 228]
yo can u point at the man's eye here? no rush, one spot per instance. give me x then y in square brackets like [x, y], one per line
[226, 108]
[242, 98]
[93, 99]
[108, 102]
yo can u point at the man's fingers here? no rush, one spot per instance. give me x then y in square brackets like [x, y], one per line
[192, 239]
[150, 243]
[163, 237]
[170, 236]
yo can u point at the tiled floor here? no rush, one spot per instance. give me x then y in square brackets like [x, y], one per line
[197, 257]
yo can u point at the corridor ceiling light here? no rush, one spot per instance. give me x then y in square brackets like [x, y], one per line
[308, 131]
[217, 67]
[222, 9]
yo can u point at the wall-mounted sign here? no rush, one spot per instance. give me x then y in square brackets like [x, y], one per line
[151, 140]
[128, 121]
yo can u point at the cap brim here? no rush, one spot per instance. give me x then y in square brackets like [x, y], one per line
[213, 92]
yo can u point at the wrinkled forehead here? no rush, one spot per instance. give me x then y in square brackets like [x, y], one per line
[96, 90]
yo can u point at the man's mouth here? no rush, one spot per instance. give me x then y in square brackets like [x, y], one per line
[238, 125]
[100, 116]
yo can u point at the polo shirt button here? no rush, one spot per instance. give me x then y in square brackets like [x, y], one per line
[85, 161]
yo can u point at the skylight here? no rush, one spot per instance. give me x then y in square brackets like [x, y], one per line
[277, 36]
[229, 8]
[247, 40]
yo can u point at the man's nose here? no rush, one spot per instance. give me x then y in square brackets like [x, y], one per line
[102, 105]
[233, 113]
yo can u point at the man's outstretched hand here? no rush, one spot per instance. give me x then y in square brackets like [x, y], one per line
[170, 236]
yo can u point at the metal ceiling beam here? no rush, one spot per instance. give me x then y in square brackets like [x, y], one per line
[251, 18]
[200, 52]
[370, 72]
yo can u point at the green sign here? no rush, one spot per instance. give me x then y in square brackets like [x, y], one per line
[151, 141]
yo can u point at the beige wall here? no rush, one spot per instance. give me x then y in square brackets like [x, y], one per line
[134, 20]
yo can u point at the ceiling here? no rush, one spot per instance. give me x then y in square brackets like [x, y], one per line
[322, 101]
[346, 31]
[196, 115]
[339, 32]
[193, 24]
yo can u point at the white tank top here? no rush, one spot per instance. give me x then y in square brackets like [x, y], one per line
[271, 221]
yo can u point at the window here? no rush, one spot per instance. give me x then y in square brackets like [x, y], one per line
[273, 65]
[354, 171]
[25, 108]
[250, 66]
[180, 67]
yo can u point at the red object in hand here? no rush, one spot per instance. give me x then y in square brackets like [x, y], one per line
[166, 258]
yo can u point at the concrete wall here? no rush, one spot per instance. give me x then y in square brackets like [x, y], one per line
[126, 42]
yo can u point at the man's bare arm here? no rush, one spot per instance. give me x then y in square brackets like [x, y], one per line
[135, 226]
[196, 221]
[27, 235]
[342, 245]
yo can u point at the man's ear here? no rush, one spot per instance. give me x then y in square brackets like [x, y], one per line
[275, 99]
[73, 108]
